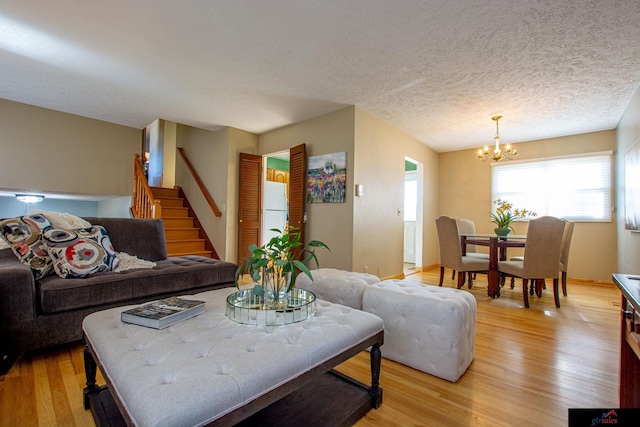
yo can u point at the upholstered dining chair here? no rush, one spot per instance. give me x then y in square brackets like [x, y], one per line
[451, 252]
[467, 226]
[541, 256]
[564, 254]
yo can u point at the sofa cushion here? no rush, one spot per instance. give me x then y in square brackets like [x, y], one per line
[143, 238]
[171, 275]
[25, 236]
[80, 252]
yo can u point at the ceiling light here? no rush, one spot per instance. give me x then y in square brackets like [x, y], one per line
[497, 154]
[29, 198]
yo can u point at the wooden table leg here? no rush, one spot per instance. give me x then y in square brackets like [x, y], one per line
[493, 289]
[376, 360]
[90, 370]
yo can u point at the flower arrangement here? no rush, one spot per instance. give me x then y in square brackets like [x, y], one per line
[273, 266]
[505, 214]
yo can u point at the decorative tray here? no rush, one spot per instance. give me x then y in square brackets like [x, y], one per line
[245, 307]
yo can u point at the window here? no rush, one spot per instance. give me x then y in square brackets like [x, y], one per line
[575, 188]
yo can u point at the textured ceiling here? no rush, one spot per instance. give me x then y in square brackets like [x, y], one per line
[438, 69]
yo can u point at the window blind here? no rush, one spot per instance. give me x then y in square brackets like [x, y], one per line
[574, 188]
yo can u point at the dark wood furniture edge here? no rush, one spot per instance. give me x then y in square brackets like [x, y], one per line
[108, 411]
[629, 368]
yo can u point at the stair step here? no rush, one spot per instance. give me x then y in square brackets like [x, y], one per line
[185, 245]
[201, 253]
[181, 233]
[174, 212]
[171, 201]
[160, 192]
[177, 222]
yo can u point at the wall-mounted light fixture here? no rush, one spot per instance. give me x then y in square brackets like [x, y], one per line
[29, 198]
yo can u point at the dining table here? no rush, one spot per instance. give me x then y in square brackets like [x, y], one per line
[498, 246]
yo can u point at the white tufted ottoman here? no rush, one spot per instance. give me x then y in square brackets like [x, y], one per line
[211, 369]
[338, 286]
[428, 328]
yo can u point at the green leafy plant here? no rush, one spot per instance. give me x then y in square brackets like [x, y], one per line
[279, 260]
[505, 214]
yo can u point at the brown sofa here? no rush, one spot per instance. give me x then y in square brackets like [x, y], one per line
[41, 313]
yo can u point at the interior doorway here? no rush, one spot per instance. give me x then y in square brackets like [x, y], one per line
[413, 199]
[275, 194]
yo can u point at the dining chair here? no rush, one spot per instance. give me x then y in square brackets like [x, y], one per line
[567, 235]
[541, 257]
[564, 252]
[467, 226]
[451, 252]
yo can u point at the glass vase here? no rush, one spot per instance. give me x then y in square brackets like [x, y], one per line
[275, 291]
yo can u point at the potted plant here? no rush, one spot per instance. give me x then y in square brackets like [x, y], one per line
[505, 215]
[275, 265]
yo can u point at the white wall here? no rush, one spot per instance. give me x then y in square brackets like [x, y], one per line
[628, 245]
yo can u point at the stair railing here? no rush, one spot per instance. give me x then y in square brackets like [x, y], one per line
[143, 204]
[201, 186]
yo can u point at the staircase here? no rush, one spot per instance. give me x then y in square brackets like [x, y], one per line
[182, 232]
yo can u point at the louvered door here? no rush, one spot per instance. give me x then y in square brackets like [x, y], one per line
[249, 203]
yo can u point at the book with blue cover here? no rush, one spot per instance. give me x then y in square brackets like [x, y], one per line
[163, 313]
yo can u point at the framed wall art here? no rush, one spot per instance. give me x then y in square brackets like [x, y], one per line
[326, 178]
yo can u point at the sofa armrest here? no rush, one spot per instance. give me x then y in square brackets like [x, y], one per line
[17, 290]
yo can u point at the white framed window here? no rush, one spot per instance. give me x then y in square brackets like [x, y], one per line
[578, 188]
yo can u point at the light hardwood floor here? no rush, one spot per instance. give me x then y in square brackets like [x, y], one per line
[530, 367]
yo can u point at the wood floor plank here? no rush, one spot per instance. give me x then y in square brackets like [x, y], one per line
[530, 367]
[45, 411]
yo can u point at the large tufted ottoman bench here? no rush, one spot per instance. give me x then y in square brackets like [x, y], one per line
[428, 328]
[209, 369]
[338, 286]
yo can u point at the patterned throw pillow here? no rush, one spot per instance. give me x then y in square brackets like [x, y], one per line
[80, 252]
[24, 234]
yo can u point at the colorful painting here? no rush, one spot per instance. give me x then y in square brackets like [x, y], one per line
[326, 178]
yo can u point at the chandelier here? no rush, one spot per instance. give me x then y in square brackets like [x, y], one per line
[497, 154]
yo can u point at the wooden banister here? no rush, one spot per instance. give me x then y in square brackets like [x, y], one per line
[203, 189]
[143, 204]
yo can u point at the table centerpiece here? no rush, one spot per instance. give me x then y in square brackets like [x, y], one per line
[505, 215]
[274, 266]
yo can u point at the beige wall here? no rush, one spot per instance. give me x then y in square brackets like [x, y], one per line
[49, 151]
[329, 222]
[378, 217]
[214, 155]
[465, 191]
[363, 231]
[628, 243]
